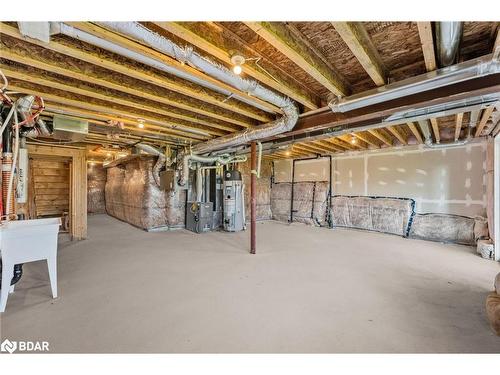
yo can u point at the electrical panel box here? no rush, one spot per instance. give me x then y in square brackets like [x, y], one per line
[69, 129]
[168, 180]
[199, 216]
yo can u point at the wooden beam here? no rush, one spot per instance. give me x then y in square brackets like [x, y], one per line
[425, 32]
[435, 129]
[347, 139]
[164, 81]
[70, 73]
[484, 119]
[415, 132]
[397, 134]
[341, 143]
[360, 44]
[276, 34]
[458, 125]
[132, 45]
[10, 73]
[380, 136]
[222, 54]
[365, 139]
[310, 148]
[168, 127]
[330, 145]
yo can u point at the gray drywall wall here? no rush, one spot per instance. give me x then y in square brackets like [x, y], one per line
[451, 180]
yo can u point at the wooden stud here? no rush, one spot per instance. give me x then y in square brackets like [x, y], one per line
[415, 132]
[397, 134]
[9, 55]
[360, 44]
[435, 129]
[123, 69]
[78, 183]
[425, 32]
[484, 119]
[199, 41]
[276, 34]
[458, 125]
[380, 136]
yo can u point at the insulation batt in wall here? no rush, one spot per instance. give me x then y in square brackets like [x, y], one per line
[309, 202]
[451, 180]
[386, 215]
[133, 196]
[96, 183]
[263, 192]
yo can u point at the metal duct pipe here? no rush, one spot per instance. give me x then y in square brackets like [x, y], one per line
[290, 116]
[160, 162]
[448, 35]
[482, 66]
[426, 131]
[75, 33]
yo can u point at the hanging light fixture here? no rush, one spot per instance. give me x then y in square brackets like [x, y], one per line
[140, 123]
[354, 140]
[237, 60]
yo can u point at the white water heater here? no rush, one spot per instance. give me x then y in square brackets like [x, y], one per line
[234, 202]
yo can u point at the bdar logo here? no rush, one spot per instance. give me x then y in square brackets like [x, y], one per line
[8, 346]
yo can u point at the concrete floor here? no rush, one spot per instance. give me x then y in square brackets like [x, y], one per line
[307, 290]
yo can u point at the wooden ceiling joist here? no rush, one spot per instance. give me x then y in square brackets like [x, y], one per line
[435, 129]
[162, 81]
[376, 133]
[171, 128]
[221, 53]
[132, 45]
[366, 139]
[347, 139]
[341, 143]
[426, 39]
[360, 44]
[10, 73]
[395, 131]
[25, 60]
[484, 119]
[276, 34]
[330, 146]
[416, 133]
[458, 125]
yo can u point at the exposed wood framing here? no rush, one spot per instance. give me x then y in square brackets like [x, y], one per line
[169, 128]
[330, 146]
[12, 56]
[220, 53]
[458, 125]
[397, 134]
[341, 143]
[126, 70]
[114, 99]
[149, 52]
[435, 129]
[347, 139]
[376, 133]
[425, 32]
[358, 41]
[415, 132]
[280, 38]
[78, 182]
[484, 119]
[365, 139]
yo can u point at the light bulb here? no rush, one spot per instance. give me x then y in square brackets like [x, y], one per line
[237, 69]
[108, 154]
[353, 140]
[140, 124]
[288, 153]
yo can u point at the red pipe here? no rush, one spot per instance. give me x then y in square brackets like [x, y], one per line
[253, 200]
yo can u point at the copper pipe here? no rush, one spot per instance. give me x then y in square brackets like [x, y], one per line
[253, 200]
